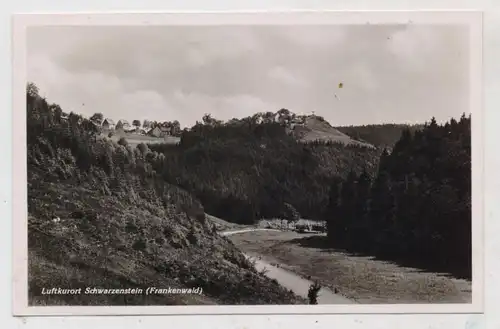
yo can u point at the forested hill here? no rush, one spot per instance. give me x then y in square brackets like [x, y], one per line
[305, 128]
[415, 206]
[380, 135]
[99, 215]
[250, 171]
[145, 206]
[418, 206]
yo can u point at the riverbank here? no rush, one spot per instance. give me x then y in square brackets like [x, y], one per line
[360, 278]
[286, 278]
[297, 284]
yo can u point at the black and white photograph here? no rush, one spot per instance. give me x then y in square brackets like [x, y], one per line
[250, 163]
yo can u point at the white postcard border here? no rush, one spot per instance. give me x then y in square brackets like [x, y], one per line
[19, 198]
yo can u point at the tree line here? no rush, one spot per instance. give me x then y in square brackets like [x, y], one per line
[379, 135]
[412, 201]
[68, 147]
[246, 171]
[174, 126]
[417, 206]
[112, 201]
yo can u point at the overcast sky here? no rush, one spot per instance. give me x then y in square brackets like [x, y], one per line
[390, 74]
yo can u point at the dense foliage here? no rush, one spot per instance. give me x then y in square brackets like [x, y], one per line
[248, 171]
[411, 201]
[419, 204]
[99, 215]
[74, 150]
[381, 135]
[415, 205]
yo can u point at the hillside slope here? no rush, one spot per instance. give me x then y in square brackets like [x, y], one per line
[100, 216]
[379, 135]
[104, 241]
[315, 129]
[305, 128]
[242, 173]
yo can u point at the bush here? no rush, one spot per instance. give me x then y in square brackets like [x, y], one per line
[143, 148]
[111, 134]
[123, 141]
[313, 293]
[290, 213]
[139, 245]
[107, 186]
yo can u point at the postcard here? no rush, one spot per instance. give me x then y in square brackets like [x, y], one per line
[248, 163]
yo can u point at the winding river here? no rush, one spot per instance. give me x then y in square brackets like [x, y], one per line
[290, 280]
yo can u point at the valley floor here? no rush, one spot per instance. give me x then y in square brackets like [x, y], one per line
[362, 279]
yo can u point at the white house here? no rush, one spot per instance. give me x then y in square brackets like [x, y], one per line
[156, 132]
[166, 131]
[125, 124]
[130, 129]
[108, 124]
[144, 131]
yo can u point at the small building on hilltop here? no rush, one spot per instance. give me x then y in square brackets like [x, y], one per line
[144, 131]
[130, 129]
[123, 124]
[108, 124]
[155, 132]
[165, 131]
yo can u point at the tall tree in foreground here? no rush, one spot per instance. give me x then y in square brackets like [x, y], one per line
[313, 293]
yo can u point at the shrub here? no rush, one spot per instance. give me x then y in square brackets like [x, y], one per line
[139, 245]
[131, 228]
[313, 293]
[143, 148]
[123, 141]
